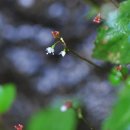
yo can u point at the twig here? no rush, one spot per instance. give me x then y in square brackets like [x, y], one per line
[80, 57]
[84, 59]
[80, 115]
[115, 3]
[86, 122]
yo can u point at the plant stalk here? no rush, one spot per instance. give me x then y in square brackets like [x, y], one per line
[115, 3]
[79, 56]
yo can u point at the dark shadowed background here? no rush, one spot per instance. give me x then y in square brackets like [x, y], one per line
[25, 33]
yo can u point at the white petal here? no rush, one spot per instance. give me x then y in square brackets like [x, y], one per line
[63, 108]
[50, 50]
[62, 53]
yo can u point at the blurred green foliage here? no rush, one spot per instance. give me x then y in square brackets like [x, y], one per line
[53, 119]
[128, 82]
[115, 77]
[113, 40]
[113, 45]
[120, 117]
[7, 96]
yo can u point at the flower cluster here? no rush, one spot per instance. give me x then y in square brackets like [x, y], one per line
[51, 50]
[97, 19]
[55, 34]
[67, 105]
[119, 67]
[18, 127]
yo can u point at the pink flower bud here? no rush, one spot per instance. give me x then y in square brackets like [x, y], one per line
[119, 67]
[66, 106]
[97, 19]
[18, 127]
[55, 34]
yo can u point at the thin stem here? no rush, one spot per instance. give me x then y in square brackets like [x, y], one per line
[1, 122]
[115, 3]
[80, 57]
[80, 115]
[55, 44]
[86, 122]
[84, 59]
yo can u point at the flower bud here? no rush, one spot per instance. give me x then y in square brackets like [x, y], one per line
[66, 106]
[63, 53]
[18, 127]
[56, 34]
[50, 50]
[97, 19]
[119, 67]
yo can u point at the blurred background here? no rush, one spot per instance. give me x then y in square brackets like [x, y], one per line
[41, 80]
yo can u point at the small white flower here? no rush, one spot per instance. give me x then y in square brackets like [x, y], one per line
[50, 50]
[63, 108]
[63, 53]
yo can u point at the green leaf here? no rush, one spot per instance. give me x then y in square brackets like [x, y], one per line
[113, 39]
[7, 96]
[128, 82]
[53, 119]
[120, 117]
[115, 77]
